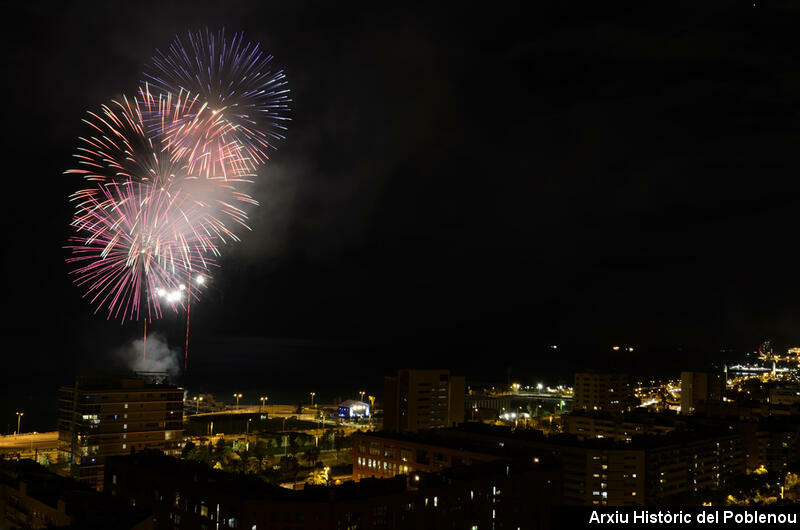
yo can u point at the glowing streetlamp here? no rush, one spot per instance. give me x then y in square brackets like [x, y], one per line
[237, 396]
[263, 402]
[19, 421]
[197, 401]
[312, 398]
[371, 406]
[362, 396]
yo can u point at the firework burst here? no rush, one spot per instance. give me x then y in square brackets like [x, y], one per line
[235, 81]
[131, 251]
[168, 173]
[122, 149]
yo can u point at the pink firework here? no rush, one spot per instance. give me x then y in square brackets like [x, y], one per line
[131, 251]
[124, 148]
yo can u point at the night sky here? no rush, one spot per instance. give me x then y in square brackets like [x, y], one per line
[459, 188]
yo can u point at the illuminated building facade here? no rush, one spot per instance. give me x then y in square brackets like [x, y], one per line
[648, 469]
[352, 409]
[602, 391]
[423, 399]
[619, 427]
[697, 387]
[785, 395]
[383, 455]
[598, 472]
[101, 417]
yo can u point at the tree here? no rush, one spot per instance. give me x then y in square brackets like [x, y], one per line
[220, 449]
[259, 449]
[203, 454]
[293, 447]
[312, 455]
[188, 449]
[239, 446]
[266, 463]
[318, 477]
[328, 438]
[252, 465]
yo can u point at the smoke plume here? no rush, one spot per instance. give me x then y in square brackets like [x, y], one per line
[159, 356]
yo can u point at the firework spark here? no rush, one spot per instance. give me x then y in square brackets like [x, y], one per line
[168, 173]
[247, 98]
[131, 250]
[121, 149]
[147, 221]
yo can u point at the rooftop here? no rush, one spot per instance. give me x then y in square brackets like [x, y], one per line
[491, 439]
[251, 487]
[86, 507]
[129, 380]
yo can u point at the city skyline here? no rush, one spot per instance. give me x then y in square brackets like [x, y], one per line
[431, 255]
[572, 183]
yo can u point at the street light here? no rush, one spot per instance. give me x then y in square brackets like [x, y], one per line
[263, 402]
[362, 395]
[197, 401]
[237, 396]
[19, 420]
[371, 407]
[312, 398]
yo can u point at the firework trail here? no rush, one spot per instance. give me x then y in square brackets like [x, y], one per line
[247, 98]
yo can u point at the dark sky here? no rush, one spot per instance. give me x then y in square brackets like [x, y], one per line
[456, 184]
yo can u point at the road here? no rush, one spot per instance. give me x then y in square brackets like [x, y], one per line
[31, 445]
